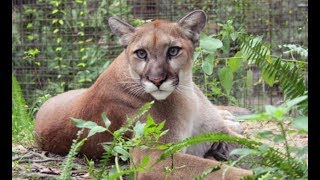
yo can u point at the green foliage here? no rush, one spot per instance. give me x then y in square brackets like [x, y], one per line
[274, 163]
[22, 125]
[63, 43]
[220, 72]
[145, 135]
[288, 74]
[68, 162]
[227, 78]
[206, 137]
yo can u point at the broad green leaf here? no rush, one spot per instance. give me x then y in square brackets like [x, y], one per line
[56, 31]
[84, 124]
[96, 129]
[195, 55]
[265, 134]
[55, 11]
[125, 154]
[270, 109]
[295, 101]
[61, 22]
[207, 67]
[58, 48]
[278, 138]
[226, 79]
[301, 122]
[209, 44]
[234, 36]
[243, 152]
[105, 119]
[234, 63]
[252, 117]
[29, 26]
[54, 21]
[249, 79]
[30, 37]
[59, 40]
[138, 129]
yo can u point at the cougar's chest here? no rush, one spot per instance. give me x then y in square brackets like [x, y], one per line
[178, 116]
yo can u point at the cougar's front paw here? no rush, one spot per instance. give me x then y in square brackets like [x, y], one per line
[226, 115]
[220, 151]
[230, 121]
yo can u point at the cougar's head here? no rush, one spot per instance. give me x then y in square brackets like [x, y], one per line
[160, 53]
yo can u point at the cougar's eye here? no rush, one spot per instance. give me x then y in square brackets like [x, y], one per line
[173, 51]
[141, 53]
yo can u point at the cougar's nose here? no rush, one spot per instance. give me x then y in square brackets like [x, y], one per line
[157, 80]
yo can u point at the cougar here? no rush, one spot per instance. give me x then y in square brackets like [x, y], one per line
[155, 65]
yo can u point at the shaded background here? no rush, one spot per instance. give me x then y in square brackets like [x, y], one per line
[59, 45]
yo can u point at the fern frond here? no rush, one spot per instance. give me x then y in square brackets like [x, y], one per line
[290, 166]
[208, 137]
[269, 158]
[290, 79]
[68, 162]
[22, 125]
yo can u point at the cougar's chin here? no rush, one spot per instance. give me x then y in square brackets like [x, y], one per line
[160, 95]
[161, 92]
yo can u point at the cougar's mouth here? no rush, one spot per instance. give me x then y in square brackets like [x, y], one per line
[160, 92]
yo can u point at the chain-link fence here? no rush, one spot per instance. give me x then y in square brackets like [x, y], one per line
[60, 45]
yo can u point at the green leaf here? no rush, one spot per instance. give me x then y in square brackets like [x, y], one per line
[58, 48]
[301, 122]
[29, 26]
[81, 65]
[226, 79]
[207, 67]
[244, 152]
[61, 22]
[195, 55]
[209, 44]
[54, 21]
[235, 62]
[81, 24]
[106, 120]
[84, 124]
[59, 40]
[252, 117]
[55, 11]
[125, 154]
[234, 36]
[266, 134]
[138, 129]
[96, 129]
[270, 109]
[295, 101]
[55, 31]
[278, 138]
[30, 37]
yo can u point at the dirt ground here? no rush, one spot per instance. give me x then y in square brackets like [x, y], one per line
[31, 163]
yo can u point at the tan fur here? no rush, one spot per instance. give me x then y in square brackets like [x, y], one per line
[122, 89]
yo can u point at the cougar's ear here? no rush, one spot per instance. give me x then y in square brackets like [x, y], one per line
[121, 29]
[193, 23]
